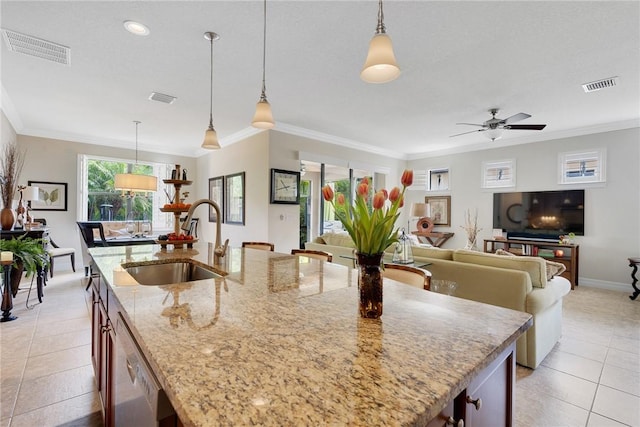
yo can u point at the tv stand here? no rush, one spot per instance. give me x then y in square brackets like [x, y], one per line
[568, 255]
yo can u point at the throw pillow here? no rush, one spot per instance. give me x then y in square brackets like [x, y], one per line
[554, 269]
[503, 252]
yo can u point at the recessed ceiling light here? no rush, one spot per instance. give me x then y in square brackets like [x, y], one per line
[136, 28]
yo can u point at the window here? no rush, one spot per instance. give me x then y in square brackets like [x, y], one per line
[99, 201]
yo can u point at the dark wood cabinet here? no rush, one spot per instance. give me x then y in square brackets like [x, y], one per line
[566, 254]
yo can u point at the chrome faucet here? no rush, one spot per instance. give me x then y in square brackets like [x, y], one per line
[219, 251]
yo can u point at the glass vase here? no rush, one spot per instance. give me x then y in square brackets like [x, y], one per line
[471, 245]
[370, 285]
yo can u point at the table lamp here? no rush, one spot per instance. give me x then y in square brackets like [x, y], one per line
[28, 194]
[423, 212]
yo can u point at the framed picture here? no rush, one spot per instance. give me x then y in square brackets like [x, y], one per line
[285, 187]
[52, 196]
[216, 193]
[582, 167]
[234, 198]
[498, 174]
[440, 207]
[438, 179]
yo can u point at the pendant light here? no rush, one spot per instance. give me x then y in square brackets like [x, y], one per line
[133, 182]
[210, 136]
[263, 119]
[380, 66]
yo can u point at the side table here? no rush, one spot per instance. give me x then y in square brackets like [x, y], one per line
[633, 263]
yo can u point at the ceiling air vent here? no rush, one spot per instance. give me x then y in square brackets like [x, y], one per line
[161, 97]
[39, 48]
[600, 84]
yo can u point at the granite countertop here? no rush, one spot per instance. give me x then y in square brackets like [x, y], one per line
[278, 341]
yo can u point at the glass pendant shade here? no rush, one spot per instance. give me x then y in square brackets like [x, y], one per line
[211, 139]
[263, 119]
[380, 66]
[494, 134]
[135, 182]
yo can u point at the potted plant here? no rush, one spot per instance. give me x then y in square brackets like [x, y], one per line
[28, 255]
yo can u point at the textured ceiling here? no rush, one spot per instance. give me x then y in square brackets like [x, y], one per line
[458, 59]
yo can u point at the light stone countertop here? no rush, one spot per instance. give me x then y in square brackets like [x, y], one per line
[279, 342]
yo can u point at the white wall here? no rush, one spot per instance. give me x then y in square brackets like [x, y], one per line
[7, 133]
[57, 161]
[612, 210]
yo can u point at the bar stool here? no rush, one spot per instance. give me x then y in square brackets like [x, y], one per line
[633, 263]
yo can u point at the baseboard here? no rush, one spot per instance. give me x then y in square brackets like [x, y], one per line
[602, 284]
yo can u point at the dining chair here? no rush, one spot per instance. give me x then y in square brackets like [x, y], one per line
[413, 276]
[54, 251]
[324, 256]
[265, 246]
[89, 241]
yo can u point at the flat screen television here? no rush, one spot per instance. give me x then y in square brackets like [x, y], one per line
[539, 214]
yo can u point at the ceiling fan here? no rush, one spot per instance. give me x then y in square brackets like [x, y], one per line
[495, 126]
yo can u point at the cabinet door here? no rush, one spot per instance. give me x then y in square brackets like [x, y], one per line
[489, 397]
[443, 416]
[95, 334]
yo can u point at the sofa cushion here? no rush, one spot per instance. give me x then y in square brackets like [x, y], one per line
[338, 239]
[437, 253]
[534, 266]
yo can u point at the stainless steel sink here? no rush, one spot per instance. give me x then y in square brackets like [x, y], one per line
[168, 273]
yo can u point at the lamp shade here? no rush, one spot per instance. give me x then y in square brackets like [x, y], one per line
[31, 193]
[210, 139]
[420, 210]
[380, 66]
[135, 182]
[263, 119]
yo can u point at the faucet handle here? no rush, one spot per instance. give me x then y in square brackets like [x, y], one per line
[221, 251]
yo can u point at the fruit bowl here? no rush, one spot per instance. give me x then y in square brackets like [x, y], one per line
[177, 244]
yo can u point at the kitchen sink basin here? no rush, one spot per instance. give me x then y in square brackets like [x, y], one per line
[168, 273]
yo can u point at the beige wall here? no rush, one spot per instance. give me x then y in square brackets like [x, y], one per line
[612, 209]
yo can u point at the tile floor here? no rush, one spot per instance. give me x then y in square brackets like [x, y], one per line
[590, 379]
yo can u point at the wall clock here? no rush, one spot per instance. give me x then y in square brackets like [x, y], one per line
[285, 187]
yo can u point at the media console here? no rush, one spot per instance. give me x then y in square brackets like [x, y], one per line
[557, 252]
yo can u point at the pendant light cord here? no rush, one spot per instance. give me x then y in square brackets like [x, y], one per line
[137, 122]
[264, 52]
[380, 28]
[211, 94]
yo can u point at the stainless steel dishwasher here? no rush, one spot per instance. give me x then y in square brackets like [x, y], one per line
[138, 396]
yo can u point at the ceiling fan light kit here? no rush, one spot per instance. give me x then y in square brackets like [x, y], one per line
[380, 65]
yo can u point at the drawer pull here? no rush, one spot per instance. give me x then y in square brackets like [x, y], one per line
[452, 422]
[475, 402]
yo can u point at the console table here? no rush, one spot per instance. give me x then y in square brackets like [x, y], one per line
[436, 239]
[568, 255]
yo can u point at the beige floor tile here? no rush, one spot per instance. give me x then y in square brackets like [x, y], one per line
[78, 312]
[5, 422]
[59, 414]
[621, 379]
[50, 389]
[582, 348]
[625, 344]
[623, 359]
[57, 361]
[579, 331]
[8, 394]
[48, 344]
[556, 384]
[574, 365]
[596, 420]
[547, 411]
[617, 405]
[56, 328]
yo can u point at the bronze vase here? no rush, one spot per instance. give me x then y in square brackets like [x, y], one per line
[6, 218]
[370, 285]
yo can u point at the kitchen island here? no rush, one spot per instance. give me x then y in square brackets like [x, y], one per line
[277, 340]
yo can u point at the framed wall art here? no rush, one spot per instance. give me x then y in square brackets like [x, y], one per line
[582, 167]
[497, 174]
[216, 193]
[438, 179]
[52, 196]
[285, 187]
[440, 207]
[234, 198]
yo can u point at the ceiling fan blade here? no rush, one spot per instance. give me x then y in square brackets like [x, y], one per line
[464, 133]
[516, 118]
[525, 127]
[470, 124]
